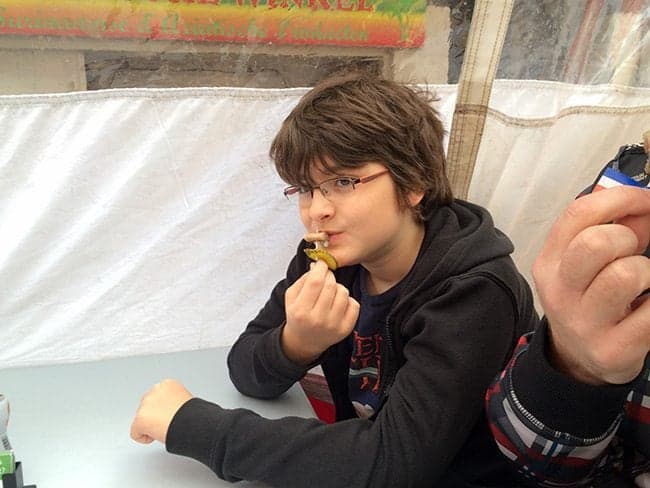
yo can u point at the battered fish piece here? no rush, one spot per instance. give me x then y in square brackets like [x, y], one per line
[319, 252]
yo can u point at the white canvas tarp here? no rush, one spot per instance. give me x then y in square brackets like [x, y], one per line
[150, 220]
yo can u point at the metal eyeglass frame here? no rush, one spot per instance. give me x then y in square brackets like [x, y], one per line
[354, 180]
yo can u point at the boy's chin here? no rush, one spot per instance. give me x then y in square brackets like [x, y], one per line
[339, 262]
[342, 261]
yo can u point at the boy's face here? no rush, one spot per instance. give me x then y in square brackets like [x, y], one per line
[365, 226]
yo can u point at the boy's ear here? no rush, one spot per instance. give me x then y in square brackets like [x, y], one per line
[415, 197]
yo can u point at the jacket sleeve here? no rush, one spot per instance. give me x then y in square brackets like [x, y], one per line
[257, 364]
[555, 430]
[462, 338]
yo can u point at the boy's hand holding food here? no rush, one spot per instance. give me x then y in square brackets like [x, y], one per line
[320, 313]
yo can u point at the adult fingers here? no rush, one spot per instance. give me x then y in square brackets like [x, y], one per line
[629, 345]
[636, 327]
[640, 225]
[593, 249]
[609, 297]
[596, 208]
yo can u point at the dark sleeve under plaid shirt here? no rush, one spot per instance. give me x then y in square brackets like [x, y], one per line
[602, 436]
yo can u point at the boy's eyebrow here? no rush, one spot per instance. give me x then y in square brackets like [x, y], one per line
[344, 170]
[334, 170]
[328, 171]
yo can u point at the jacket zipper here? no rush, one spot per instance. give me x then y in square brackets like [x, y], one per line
[388, 374]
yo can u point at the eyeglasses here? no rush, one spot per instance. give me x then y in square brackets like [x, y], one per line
[333, 189]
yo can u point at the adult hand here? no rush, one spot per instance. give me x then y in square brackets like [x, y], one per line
[588, 276]
[320, 313]
[156, 411]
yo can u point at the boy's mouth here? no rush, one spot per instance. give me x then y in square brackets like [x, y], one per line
[332, 238]
[319, 239]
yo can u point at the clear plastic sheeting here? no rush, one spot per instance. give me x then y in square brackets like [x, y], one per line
[107, 44]
[583, 42]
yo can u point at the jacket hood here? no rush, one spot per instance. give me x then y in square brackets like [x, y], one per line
[458, 237]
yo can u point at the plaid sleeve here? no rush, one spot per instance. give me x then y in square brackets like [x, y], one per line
[542, 455]
[637, 427]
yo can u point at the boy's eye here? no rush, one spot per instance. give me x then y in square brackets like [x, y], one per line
[343, 182]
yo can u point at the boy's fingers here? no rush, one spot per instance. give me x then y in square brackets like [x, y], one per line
[351, 314]
[307, 287]
[596, 208]
[313, 285]
[294, 290]
[593, 249]
[340, 302]
[137, 436]
[143, 439]
[327, 296]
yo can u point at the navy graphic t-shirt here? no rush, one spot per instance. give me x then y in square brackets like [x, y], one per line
[366, 344]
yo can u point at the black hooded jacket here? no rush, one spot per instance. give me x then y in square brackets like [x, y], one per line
[453, 327]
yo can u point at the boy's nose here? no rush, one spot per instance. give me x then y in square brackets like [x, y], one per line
[320, 208]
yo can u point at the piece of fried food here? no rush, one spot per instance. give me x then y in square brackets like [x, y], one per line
[323, 255]
[319, 252]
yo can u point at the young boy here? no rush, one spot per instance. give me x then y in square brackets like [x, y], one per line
[424, 309]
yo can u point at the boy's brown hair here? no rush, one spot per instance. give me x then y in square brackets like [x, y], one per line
[351, 120]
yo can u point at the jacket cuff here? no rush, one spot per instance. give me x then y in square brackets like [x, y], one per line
[278, 360]
[560, 402]
[192, 430]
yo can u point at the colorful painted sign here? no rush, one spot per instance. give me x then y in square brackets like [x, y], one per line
[381, 23]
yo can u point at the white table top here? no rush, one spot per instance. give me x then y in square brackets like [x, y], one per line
[69, 424]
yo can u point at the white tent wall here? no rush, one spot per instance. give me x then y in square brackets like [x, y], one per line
[150, 220]
[542, 144]
[137, 221]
